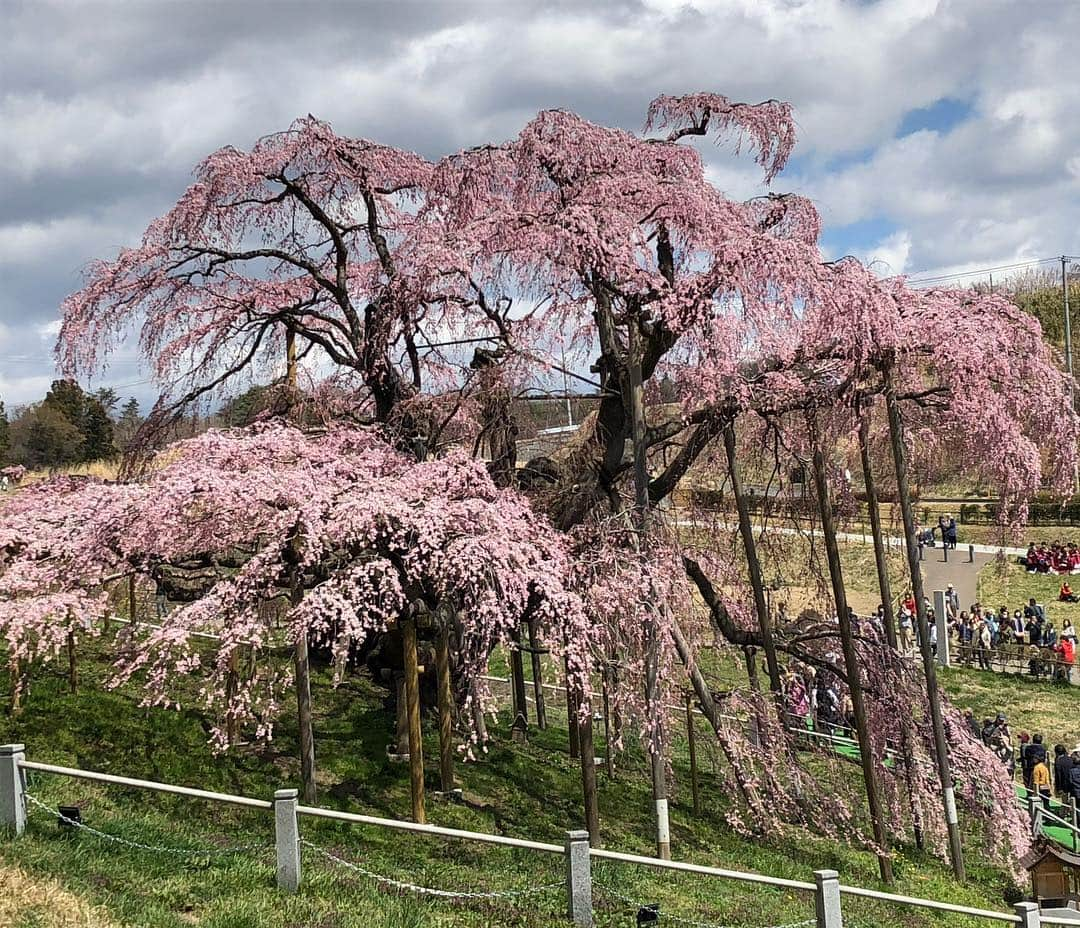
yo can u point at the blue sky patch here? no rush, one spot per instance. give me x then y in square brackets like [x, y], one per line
[940, 116]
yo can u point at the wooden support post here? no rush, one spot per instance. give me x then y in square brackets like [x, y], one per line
[691, 738]
[609, 759]
[519, 730]
[587, 750]
[232, 682]
[446, 711]
[73, 666]
[304, 719]
[572, 719]
[538, 678]
[401, 714]
[15, 671]
[412, 701]
[132, 614]
[851, 658]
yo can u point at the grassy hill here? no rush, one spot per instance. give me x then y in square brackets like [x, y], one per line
[522, 790]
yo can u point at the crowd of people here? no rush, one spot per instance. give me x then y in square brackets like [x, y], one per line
[979, 633]
[1042, 774]
[1056, 558]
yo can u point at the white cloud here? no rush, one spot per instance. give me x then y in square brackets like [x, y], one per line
[105, 111]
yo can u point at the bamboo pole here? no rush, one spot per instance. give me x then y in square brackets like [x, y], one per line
[412, 700]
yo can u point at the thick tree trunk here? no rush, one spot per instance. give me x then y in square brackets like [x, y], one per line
[446, 712]
[412, 701]
[889, 618]
[941, 750]
[753, 564]
[851, 659]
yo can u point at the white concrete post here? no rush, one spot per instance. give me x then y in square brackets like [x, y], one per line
[578, 879]
[12, 788]
[287, 840]
[1028, 913]
[942, 628]
[827, 899]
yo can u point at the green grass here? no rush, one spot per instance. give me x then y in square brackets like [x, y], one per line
[521, 790]
[1009, 584]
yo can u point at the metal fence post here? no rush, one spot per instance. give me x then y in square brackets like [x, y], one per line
[578, 879]
[287, 840]
[1028, 913]
[827, 899]
[12, 788]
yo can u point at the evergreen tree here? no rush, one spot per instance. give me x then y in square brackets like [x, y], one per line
[97, 429]
[108, 398]
[128, 423]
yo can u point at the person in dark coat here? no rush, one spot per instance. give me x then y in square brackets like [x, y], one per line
[1035, 754]
[1074, 776]
[1062, 766]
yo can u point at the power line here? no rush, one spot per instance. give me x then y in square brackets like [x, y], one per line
[980, 272]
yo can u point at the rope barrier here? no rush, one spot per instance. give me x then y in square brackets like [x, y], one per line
[427, 890]
[681, 919]
[154, 848]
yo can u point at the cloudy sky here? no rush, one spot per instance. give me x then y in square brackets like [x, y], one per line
[935, 137]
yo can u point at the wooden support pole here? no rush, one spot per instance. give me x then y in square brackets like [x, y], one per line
[851, 657]
[446, 711]
[132, 617]
[73, 666]
[520, 729]
[691, 739]
[412, 701]
[753, 566]
[538, 678]
[609, 754]
[587, 749]
[572, 719]
[401, 715]
[941, 751]
[232, 682]
[15, 671]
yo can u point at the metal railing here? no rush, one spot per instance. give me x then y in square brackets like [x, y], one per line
[826, 888]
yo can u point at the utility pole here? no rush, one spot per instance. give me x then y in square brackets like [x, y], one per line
[1068, 321]
[652, 655]
[1068, 348]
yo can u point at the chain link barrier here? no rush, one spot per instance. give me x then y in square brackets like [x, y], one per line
[682, 919]
[427, 890]
[154, 848]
